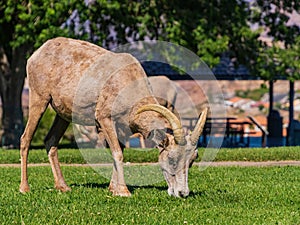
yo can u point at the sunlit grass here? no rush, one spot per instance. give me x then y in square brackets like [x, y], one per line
[151, 155]
[222, 195]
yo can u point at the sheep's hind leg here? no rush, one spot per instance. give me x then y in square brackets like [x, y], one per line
[37, 107]
[51, 142]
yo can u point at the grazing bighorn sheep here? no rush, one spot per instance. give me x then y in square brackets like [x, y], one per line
[164, 90]
[56, 71]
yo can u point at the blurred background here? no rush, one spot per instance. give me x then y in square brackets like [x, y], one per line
[252, 46]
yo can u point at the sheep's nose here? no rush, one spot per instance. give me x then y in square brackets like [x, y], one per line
[183, 194]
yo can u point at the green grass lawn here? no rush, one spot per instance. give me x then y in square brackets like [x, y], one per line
[151, 155]
[219, 195]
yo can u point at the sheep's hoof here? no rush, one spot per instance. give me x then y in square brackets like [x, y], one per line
[63, 188]
[119, 190]
[121, 193]
[24, 188]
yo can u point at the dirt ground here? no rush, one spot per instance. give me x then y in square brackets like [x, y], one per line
[205, 164]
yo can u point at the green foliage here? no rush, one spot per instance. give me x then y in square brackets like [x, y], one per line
[208, 47]
[278, 105]
[261, 108]
[276, 61]
[281, 56]
[291, 60]
[31, 23]
[254, 94]
[223, 195]
[208, 28]
[220, 27]
[275, 16]
[270, 62]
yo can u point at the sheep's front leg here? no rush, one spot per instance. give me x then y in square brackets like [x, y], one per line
[59, 181]
[117, 184]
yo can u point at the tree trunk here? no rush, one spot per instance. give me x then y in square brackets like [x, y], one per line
[290, 134]
[12, 75]
[271, 96]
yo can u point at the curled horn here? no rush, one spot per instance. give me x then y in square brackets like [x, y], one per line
[172, 119]
[199, 127]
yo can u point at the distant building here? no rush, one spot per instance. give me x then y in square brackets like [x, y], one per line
[238, 102]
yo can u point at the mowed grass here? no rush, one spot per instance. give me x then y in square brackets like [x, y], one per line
[151, 155]
[219, 195]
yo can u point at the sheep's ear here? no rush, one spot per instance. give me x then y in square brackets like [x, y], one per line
[166, 142]
[157, 136]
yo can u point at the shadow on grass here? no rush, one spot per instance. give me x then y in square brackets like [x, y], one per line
[91, 185]
[131, 188]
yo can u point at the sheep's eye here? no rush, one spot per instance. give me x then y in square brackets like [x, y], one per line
[173, 163]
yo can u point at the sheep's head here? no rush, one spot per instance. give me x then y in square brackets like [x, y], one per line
[177, 151]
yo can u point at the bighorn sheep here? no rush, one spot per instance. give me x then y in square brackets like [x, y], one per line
[164, 90]
[55, 73]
